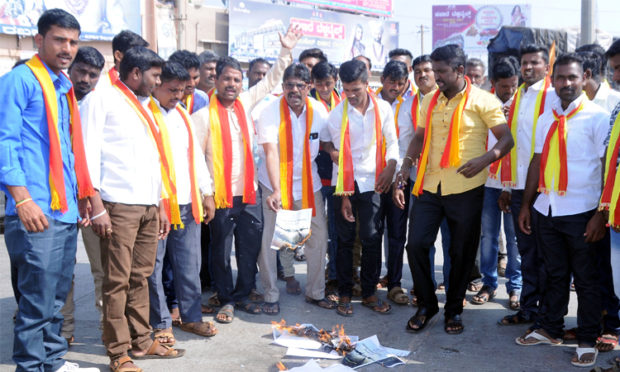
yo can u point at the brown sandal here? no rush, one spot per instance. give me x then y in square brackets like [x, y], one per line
[164, 336]
[151, 353]
[117, 365]
[205, 329]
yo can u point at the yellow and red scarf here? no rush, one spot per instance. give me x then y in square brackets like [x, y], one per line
[553, 174]
[285, 140]
[222, 153]
[506, 167]
[197, 211]
[334, 100]
[345, 184]
[611, 189]
[113, 75]
[451, 156]
[56, 175]
[189, 103]
[167, 170]
[415, 110]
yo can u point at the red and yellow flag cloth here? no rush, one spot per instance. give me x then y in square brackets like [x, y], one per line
[171, 202]
[113, 75]
[451, 155]
[345, 184]
[506, 167]
[553, 174]
[415, 110]
[611, 189]
[285, 140]
[334, 100]
[167, 169]
[222, 153]
[189, 103]
[56, 175]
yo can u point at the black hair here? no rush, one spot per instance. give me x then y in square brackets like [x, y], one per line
[421, 59]
[451, 54]
[595, 48]
[613, 50]
[90, 56]
[395, 70]
[125, 40]
[207, 56]
[505, 67]
[323, 70]
[297, 70]
[224, 62]
[365, 59]
[400, 52]
[258, 60]
[474, 62]
[20, 62]
[140, 57]
[173, 70]
[57, 17]
[534, 48]
[353, 70]
[313, 53]
[186, 58]
[594, 62]
[567, 59]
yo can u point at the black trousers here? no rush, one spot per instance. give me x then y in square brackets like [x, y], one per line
[368, 207]
[565, 252]
[396, 229]
[610, 303]
[532, 267]
[463, 212]
[245, 223]
[205, 269]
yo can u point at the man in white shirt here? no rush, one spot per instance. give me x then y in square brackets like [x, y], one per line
[394, 80]
[595, 86]
[121, 43]
[505, 81]
[193, 185]
[229, 154]
[404, 56]
[121, 149]
[568, 223]
[534, 90]
[279, 194]
[362, 180]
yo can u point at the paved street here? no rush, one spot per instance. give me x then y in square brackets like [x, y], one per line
[244, 345]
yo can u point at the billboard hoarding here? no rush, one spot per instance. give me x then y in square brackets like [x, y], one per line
[99, 19]
[472, 26]
[382, 8]
[254, 27]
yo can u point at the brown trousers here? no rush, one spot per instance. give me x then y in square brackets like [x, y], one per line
[128, 259]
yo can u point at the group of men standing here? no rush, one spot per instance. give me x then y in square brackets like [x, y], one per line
[161, 147]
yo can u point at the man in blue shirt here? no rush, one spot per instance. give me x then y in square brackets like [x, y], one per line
[41, 237]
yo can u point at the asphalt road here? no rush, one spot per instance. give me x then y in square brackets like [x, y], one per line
[245, 344]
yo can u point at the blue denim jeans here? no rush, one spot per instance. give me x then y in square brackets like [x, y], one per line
[489, 244]
[44, 263]
[332, 233]
[182, 246]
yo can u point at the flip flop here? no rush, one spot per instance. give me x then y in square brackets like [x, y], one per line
[151, 354]
[536, 338]
[580, 352]
[398, 296]
[376, 306]
[421, 324]
[228, 311]
[344, 308]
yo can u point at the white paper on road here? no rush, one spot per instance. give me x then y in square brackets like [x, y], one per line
[374, 352]
[313, 366]
[288, 340]
[292, 229]
[304, 353]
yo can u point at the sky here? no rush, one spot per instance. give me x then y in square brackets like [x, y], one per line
[553, 14]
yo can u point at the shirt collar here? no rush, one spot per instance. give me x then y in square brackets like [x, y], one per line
[603, 91]
[61, 81]
[371, 107]
[291, 110]
[536, 86]
[458, 95]
[557, 106]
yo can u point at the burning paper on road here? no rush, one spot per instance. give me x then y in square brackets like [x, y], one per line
[292, 229]
[305, 340]
[369, 350]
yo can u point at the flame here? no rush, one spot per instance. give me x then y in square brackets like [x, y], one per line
[281, 366]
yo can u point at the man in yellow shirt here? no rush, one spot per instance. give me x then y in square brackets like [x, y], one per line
[450, 180]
